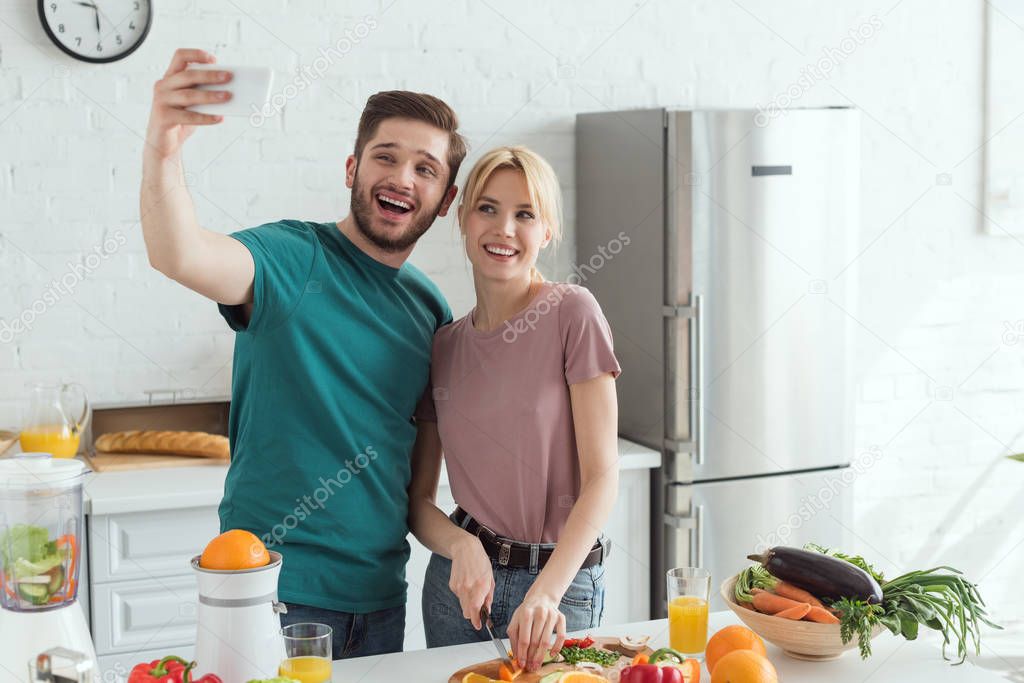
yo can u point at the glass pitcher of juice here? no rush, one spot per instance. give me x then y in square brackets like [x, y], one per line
[57, 416]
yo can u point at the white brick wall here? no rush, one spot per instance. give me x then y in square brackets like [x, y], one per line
[939, 388]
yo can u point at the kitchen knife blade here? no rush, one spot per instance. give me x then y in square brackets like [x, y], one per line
[485, 619]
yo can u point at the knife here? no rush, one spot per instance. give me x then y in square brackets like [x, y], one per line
[485, 619]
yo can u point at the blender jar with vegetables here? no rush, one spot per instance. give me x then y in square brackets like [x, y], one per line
[40, 530]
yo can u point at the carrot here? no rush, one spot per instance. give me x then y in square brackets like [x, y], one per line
[820, 615]
[795, 613]
[769, 603]
[788, 590]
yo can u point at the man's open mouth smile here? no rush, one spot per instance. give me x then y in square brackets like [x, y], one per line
[392, 205]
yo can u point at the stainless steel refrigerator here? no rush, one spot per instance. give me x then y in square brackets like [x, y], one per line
[719, 245]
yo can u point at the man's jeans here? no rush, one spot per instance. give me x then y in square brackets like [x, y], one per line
[582, 604]
[355, 635]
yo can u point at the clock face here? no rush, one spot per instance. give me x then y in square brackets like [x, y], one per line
[96, 30]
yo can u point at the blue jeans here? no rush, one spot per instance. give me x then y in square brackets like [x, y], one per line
[355, 635]
[582, 604]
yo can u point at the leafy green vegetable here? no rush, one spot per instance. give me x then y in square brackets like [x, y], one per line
[939, 598]
[575, 654]
[855, 560]
[28, 543]
[858, 618]
[754, 576]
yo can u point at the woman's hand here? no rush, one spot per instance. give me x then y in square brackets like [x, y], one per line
[529, 632]
[472, 580]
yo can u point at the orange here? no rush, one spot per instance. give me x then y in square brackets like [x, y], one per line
[234, 549]
[473, 677]
[744, 666]
[729, 639]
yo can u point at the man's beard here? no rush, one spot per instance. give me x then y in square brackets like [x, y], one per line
[362, 214]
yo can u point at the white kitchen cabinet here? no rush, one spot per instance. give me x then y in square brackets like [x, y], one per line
[142, 591]
[135, 615]
[146, 545]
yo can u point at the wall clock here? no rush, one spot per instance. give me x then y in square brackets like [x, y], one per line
[96, 31]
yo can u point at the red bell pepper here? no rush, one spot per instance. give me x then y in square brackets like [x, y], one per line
[208, 678]
[170, 669]
[651, 673]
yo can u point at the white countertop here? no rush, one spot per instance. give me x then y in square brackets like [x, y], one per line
[893, 660]
[172, 488]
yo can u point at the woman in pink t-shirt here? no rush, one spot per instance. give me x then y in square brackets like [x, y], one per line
[522, 402]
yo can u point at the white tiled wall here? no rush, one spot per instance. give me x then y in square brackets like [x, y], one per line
[939, 382]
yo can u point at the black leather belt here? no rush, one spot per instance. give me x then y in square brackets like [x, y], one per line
[509, 553]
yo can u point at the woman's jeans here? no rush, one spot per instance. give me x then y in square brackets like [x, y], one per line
[582, 604]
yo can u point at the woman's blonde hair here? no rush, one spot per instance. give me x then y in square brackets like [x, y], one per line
[541, 183]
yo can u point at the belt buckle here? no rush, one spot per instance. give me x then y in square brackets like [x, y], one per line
[504, 552]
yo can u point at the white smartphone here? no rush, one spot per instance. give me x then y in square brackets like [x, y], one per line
[249, 87]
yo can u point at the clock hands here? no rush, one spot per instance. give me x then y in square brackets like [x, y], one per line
[96, 12]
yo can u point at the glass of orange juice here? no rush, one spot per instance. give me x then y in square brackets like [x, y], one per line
[307, 648]
[689, 589]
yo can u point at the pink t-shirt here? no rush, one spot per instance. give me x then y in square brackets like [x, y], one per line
[502, 406]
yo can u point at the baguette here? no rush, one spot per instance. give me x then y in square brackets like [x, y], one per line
[169, 443]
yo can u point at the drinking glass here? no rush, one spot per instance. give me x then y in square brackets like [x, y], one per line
[307, 649]
[689, 589]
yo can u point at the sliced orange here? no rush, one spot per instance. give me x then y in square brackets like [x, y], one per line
[474, 677]
[582, 677]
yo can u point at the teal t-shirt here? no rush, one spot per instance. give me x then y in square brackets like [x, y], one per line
[327, 375]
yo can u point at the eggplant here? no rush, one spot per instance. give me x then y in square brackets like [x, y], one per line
[823, 576]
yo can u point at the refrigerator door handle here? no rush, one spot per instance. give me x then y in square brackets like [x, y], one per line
[694, 525]
[695, 312]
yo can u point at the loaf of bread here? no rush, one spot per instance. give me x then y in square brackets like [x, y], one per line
[167, 443]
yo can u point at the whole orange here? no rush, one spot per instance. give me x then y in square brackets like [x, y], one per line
[744, 666]
[234, 549]
[730, 639]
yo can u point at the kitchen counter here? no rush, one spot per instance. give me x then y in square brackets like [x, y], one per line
[172, 488]
[894, 660]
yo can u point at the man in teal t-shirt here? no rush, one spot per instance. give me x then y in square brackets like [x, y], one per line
[332, 351]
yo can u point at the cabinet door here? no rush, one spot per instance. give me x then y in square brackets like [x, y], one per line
[415, 639]
[627, 587]
[146, 545]
[154, 613]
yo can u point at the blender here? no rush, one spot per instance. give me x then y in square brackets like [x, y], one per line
[41, 532]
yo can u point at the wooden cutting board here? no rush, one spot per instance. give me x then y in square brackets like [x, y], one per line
[118, 462]
[490, 668]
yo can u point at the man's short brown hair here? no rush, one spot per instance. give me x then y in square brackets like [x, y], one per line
[417, 107]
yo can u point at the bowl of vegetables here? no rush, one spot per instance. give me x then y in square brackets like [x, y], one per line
[815, 604]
